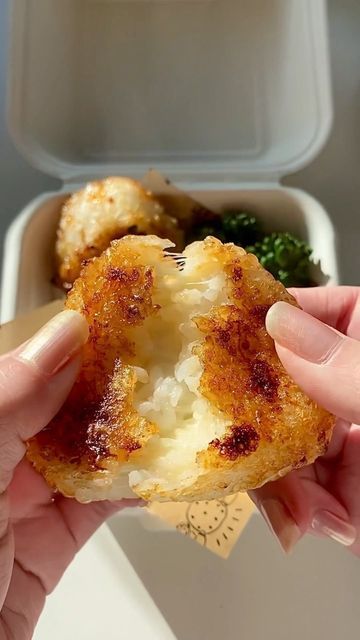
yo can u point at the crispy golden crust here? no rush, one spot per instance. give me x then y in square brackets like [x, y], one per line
[273, 428]
[98, 426]
[104, 211]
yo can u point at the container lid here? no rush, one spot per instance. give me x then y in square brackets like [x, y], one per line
[213, 91]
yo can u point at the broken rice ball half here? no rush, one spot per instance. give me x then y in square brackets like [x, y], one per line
[181, 395]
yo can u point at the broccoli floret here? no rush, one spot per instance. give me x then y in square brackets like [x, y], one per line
[241, 228]
[288, 258]
[233, 226]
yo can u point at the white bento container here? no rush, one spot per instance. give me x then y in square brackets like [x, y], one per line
[224, 97]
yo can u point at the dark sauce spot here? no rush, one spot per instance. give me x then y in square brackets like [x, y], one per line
[82, 443]
[132, 445]
[126, 277]
[242, 441]
[258, 313]
[223, 337]
[80, 434]
[133, 312]
[148, 277]
[237, 274]
[263, 380]
[96, 445]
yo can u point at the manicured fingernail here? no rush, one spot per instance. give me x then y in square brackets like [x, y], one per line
[332, 526]
[280, 523]
[56, 342]
[301, 333]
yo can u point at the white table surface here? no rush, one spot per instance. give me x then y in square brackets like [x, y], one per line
[159, 585]
[257, 594]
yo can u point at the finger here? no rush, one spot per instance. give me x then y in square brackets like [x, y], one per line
[27, 491]
[34, 382]
[344, 481]
[83, 519]
[7, 546]
[336, 306]
[25, 599]
[322, 361]
[49, 530]
[47, 542]
[297, 504]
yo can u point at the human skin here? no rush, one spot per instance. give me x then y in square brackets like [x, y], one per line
[39, 533]
[320, 349]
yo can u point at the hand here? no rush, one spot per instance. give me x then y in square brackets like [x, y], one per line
[324, 498]
[39, 534]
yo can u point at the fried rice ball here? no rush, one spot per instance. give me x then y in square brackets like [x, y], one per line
[102, 211]
[181, 395]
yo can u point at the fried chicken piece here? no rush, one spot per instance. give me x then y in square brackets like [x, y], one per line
[181, 395]
[101, 212]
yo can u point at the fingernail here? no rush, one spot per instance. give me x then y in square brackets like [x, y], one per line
[332, 526]
[280, 523]
[56, 342]
[302, 334]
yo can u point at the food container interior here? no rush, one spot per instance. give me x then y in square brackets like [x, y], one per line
[203, 90]
[27, 282]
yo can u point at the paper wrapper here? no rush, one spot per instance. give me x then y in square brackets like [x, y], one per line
[215, 524]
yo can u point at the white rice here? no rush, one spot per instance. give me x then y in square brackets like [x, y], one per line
[167, 391]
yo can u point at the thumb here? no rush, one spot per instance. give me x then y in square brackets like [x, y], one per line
[34, 382]
[322, 361]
